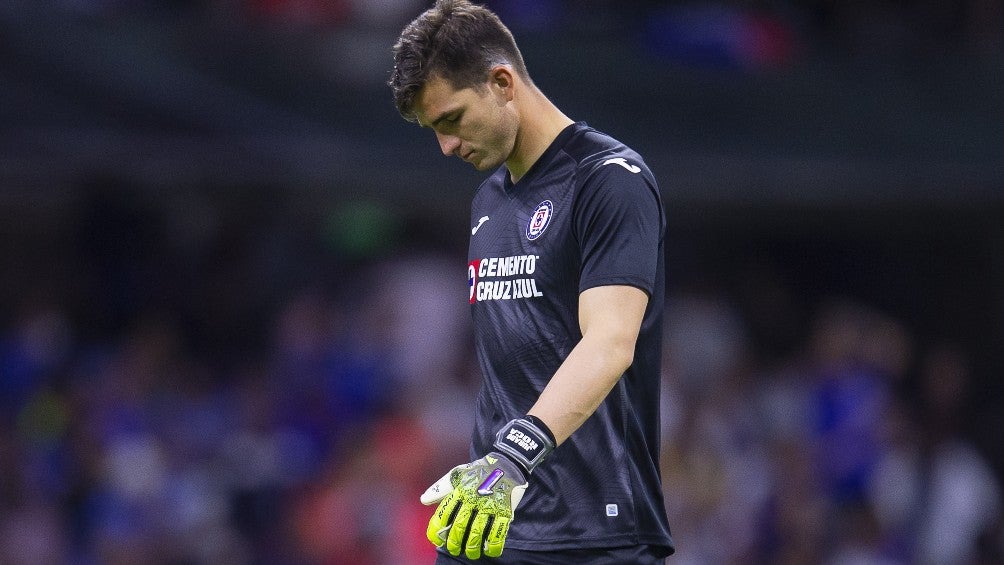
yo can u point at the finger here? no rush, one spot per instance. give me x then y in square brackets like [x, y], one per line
[455, 541]
[476, 536]
[438, 490]
[440, 522]
[496, 537]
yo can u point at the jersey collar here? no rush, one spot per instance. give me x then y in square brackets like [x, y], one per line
[545, 157]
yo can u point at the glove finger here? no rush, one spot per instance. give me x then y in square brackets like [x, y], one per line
[439, 524]
[438, 490]
[476, 536]
[455, 541]
[496, 536]
[517, 495]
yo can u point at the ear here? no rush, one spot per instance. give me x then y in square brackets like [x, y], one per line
[502, 81]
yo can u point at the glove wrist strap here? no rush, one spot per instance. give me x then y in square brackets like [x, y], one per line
[524, 442]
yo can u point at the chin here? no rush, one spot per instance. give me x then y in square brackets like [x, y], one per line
[486, 165]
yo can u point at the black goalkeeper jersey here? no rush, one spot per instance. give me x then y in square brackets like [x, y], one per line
[588, 213]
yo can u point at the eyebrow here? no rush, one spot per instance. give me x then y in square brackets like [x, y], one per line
[443, 116]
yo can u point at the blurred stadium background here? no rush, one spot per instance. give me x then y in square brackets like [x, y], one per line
[232, 308]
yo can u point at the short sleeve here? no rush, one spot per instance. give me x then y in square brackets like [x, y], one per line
[619, 223]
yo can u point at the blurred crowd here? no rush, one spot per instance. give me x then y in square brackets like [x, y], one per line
[720, 33]
[825, 458]
[253, 383]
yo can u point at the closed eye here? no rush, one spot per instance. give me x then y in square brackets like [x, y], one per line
[452, 119]
[448, 124]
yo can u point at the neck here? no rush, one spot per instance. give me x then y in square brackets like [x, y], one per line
[540, 122]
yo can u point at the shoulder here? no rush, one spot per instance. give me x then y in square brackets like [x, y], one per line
[607, 168]
[593, 150]
[612, 181]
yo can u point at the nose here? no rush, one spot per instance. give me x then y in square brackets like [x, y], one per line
[448, 143]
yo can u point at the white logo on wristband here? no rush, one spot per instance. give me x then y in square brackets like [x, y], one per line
[522, 440]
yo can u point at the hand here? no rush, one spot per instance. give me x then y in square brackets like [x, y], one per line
[476, 505]
[478, 500]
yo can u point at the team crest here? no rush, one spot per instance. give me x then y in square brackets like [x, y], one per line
[539, 220]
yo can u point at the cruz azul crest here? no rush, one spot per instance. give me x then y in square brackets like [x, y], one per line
[539, 220]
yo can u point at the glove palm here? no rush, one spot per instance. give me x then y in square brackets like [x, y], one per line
[477, 501]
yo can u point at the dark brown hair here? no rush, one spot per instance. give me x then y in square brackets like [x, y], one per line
[455, 40]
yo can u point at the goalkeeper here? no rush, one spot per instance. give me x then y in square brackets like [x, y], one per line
[567, 282]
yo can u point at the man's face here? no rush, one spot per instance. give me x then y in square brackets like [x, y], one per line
[475, 124]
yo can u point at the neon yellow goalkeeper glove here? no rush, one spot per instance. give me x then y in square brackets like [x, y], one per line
[477, 500]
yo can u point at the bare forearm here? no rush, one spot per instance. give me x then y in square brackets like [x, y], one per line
[610, 317]
[581, 383]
